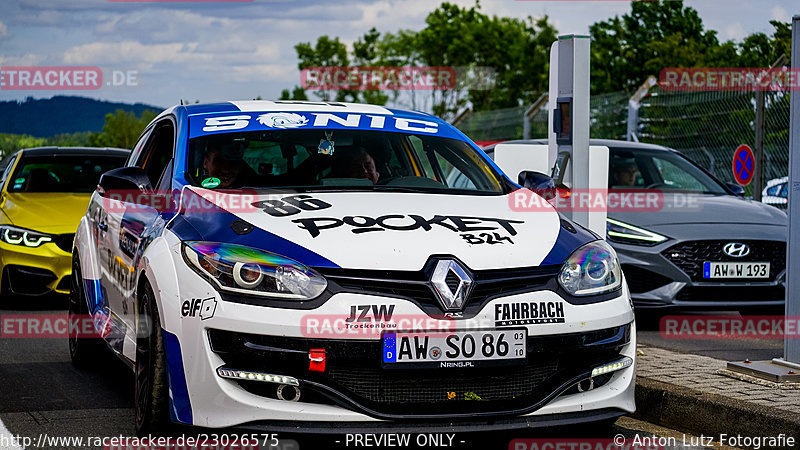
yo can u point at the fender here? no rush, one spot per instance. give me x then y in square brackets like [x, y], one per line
[86, 248]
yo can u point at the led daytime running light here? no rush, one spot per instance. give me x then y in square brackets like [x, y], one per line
[23, 237]
[235, 374]
[612, 367]
[640, 233]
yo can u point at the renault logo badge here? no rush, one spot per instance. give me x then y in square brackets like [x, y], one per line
[452, 284]
[736, 249]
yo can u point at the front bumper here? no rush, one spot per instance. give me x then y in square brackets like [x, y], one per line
[465, 426]
[355, 391]
[35, 271]
[669, 275]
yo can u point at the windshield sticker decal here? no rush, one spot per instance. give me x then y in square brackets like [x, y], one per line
[309, 120]
[283, 120]
[210, 183]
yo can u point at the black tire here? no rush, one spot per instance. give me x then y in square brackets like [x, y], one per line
[151, 392]
[85, 352]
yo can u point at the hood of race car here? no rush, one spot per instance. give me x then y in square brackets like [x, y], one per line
[382, 230]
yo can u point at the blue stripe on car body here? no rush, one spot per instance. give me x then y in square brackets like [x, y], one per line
[180, 408]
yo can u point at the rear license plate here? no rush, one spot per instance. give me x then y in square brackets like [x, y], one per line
[736, 270]
[454, 348]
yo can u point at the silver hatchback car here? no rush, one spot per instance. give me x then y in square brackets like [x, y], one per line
[710, 249]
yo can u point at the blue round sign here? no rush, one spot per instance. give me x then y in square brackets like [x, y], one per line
[744, 165]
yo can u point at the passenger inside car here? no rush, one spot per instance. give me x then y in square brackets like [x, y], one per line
[357, 163]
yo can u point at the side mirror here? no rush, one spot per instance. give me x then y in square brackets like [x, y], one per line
[735, 189]
[124, 179]
[535, 181]
[538, 182]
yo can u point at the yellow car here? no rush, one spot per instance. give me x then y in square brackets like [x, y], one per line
[44, 194]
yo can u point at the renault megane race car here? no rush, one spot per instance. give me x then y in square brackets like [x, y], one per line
[300, 265]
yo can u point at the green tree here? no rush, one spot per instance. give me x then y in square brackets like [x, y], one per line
[10, 143]
[760, 50]
[298, 93]
[326, 52]
[653, 36]
[121, 129]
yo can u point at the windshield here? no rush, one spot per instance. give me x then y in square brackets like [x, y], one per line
[338, 159]
[662, 170]
[61, 172]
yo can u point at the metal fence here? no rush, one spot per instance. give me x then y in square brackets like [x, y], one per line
[709, 126]
[706, 126]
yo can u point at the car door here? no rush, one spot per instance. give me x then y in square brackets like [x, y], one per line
[130, 222]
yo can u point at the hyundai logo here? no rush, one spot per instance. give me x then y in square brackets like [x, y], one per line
[451, 300]
[736, 249]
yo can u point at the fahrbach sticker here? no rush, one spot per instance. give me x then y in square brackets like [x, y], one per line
[528, 313]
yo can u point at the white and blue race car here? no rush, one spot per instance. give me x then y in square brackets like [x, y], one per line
[306, 266]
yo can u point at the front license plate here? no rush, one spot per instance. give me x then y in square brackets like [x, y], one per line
[454, 348]
[736, 270]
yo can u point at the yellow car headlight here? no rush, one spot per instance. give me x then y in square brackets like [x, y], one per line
[21, 236]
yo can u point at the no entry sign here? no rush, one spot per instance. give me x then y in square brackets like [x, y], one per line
[744, 165]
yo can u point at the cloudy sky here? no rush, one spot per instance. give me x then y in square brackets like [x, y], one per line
[239, 50]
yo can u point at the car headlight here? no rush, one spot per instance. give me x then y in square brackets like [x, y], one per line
[628, 234]
[247, 270]
[591, 269]
[21, 236]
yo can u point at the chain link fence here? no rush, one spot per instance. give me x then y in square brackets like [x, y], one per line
[495, 125]
[705, 126]
[709, 126]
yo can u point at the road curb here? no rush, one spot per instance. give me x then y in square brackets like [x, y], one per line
[707, 414]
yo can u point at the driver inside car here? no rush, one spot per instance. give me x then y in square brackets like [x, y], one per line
[624, 173]
[224, 161]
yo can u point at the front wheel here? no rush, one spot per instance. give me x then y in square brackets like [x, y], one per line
[84, 351]
[151, 396]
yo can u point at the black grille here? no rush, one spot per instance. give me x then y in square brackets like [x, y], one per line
[393, 387]
[28, 280]
[642, 280]
[731, 293]
[64, 241]
[689, 256]
[355, 379]
[414, 285]
[65, 284]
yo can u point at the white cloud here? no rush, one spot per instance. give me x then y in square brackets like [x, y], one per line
[778, 13]
[734, 31]
[260, 73]
[132, 52]
[3, 29]
[29, 59]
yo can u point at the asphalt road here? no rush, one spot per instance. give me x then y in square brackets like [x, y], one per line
[42, 394]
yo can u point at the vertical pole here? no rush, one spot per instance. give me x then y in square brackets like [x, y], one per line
[758, 147]
[633, 120]
[791, 352]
